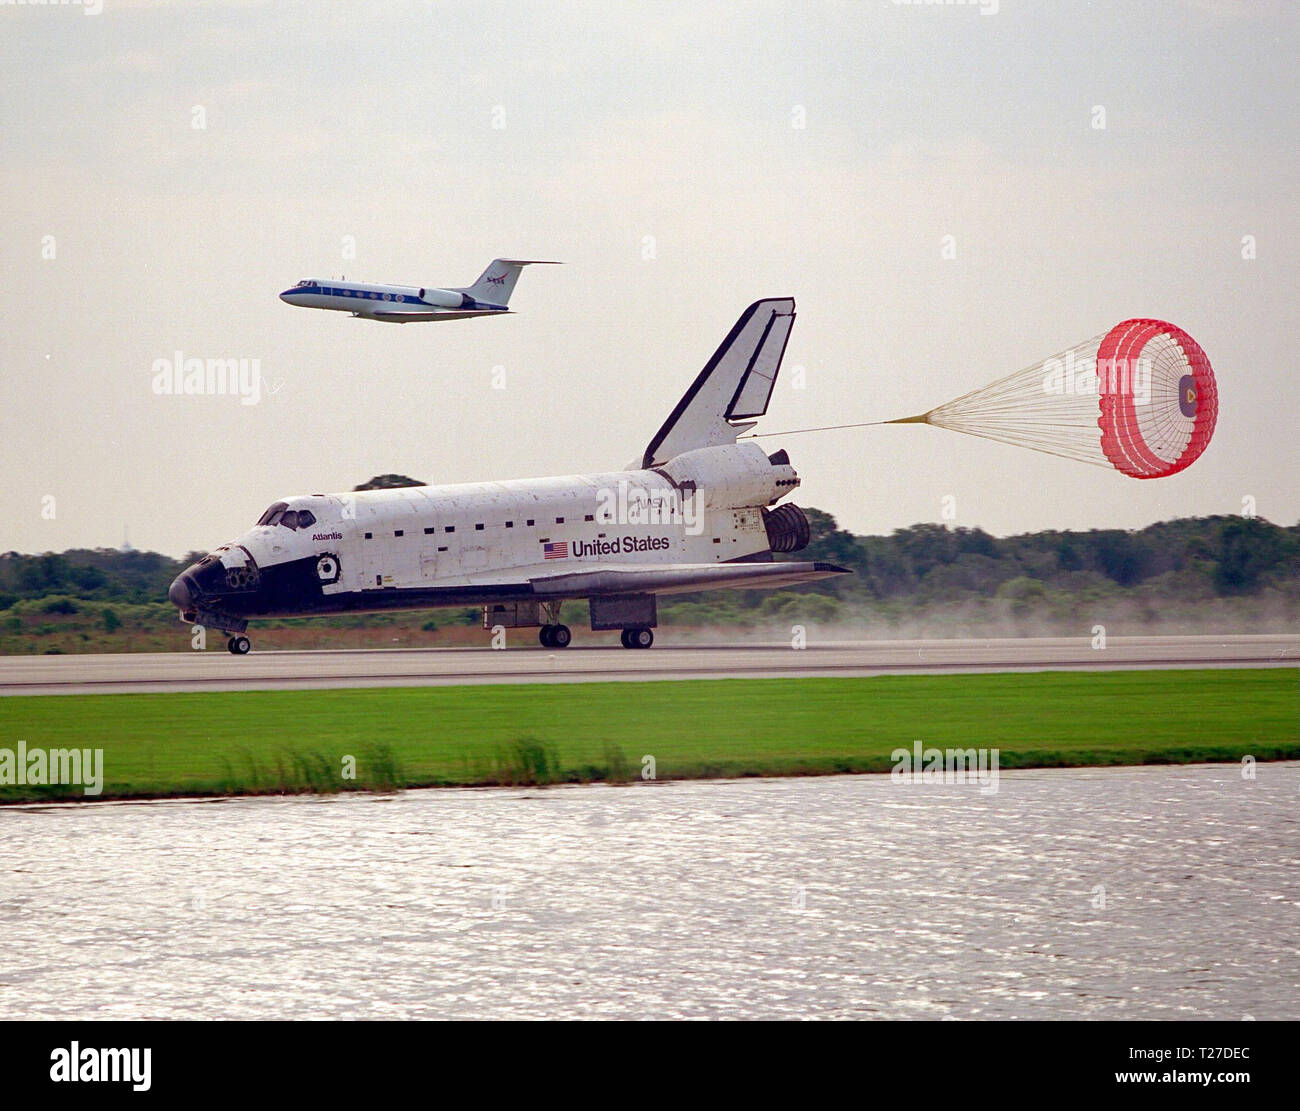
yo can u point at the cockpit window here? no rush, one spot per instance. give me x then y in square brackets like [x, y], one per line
[272, 515]
[298, 518]
[281, 514]
[306, 281]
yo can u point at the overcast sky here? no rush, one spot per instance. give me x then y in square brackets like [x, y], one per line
[683, 161]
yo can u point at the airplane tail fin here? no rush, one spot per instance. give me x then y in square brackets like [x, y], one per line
[734, 386]
[497, 282]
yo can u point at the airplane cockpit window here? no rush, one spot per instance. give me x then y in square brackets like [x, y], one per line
[272, 515]
[297, 518]
[306, 281]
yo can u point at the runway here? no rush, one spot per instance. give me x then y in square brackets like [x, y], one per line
[219, 671]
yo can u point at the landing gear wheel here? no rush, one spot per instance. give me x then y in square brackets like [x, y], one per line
[555, 636]
[638, 638]
[239, 645]
[623, 637]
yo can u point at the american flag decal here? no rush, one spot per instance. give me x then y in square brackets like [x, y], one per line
[558, 550]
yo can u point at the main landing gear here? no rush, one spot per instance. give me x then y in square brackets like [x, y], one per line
[555, 636]
[638, 638]
[239, 645]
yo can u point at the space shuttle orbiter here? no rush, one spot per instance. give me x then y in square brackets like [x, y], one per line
[696, 511]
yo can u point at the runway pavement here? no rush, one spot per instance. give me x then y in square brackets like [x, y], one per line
[219, 671]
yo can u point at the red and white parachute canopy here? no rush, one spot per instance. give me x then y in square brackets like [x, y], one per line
[1141, 398]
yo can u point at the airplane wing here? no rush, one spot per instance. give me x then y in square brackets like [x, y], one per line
[659, 578]
[409, 316]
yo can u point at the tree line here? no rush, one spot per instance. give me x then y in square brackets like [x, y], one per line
[926, 563]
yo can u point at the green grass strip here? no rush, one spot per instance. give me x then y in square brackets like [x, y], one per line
[260, 742]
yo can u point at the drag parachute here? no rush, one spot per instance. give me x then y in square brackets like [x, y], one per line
[1141, 398]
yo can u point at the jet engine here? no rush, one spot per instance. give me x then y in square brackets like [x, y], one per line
[443, 298]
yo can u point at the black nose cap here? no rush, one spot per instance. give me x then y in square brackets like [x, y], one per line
[179, 593]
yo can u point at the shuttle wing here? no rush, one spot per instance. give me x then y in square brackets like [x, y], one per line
[659, 578]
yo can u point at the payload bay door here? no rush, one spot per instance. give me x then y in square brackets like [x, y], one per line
[372, 561]
[429, 560]
[388, 559]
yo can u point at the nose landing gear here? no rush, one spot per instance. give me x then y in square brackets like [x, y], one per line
[239, 645]
[638, 638]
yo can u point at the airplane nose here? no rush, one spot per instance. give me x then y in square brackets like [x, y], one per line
[179, 593]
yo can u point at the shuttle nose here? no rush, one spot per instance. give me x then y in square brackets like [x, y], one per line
[179, 593]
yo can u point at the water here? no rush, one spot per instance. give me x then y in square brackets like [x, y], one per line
[840, 897]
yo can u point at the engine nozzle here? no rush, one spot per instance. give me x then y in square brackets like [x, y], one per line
[787, 527]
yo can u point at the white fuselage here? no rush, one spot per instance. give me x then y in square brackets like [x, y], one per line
[365, 299]
[478, 534]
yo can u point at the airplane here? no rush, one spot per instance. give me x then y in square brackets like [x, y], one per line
[694, 511]
[405, 304]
